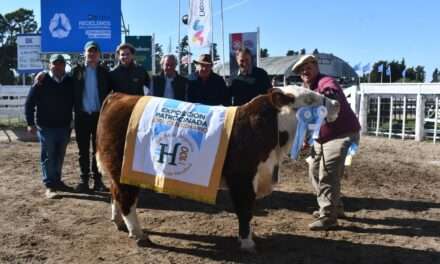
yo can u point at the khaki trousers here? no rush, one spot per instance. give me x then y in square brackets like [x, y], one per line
[326, 170]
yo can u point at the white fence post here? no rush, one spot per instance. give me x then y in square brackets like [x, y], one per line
[404, 118]
[420, 117]
[435, 120]
[378, 116]
[390, 121]
[363, 111]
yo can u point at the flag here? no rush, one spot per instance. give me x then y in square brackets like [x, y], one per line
[366, 68]
[404, 73]
[380, 68]
[388, 72]
[200, 23]
[357, 67]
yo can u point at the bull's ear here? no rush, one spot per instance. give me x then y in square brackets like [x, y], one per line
[280, 99]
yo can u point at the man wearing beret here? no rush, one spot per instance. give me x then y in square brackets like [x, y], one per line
[52, 101]
[330, 149]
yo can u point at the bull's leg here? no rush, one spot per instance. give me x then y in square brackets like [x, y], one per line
[116, 210]
[243, 198]
[117, 217]
[127, 200]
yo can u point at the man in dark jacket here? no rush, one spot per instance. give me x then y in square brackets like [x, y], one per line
[250, 82]
[53, 101]
[169, 83]
[128, 77]
[91, 87]
[207, 87]
[330, 149]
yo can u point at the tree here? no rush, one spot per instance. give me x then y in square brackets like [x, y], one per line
[3, 28]
[420, 73]
[264, 53]
[290, 53]
[435, 76]
[183, 50]
[11, 24]
[21, 19]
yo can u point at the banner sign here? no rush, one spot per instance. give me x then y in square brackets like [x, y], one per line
[28, 53]
[67, 25]
[143, 46]
[241, 40]
[177, 147]
[200, 24]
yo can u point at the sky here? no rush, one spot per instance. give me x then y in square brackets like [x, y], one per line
[355, 31]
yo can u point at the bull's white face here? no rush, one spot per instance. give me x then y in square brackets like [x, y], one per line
[307, 97]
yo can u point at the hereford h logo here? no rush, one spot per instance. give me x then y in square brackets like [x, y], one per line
[163, 153]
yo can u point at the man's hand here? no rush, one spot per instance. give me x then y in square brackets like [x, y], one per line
[39, 78]
[32, 129]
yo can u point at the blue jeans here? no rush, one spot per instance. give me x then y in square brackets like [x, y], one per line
[53, 149]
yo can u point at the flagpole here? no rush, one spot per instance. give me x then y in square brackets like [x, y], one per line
[258, 47]
[189, 49]
[178, 36]
[223, 39]
[212, 31]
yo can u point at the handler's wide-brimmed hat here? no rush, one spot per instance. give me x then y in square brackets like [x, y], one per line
[57, 58]
[303, 60]
[204, 59]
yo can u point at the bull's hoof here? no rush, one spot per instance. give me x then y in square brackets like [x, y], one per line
[248, 246]
[144, 242]
[251, 250]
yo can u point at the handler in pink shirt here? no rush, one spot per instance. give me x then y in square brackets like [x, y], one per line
[330, 149]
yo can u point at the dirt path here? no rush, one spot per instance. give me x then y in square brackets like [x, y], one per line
[391, 195]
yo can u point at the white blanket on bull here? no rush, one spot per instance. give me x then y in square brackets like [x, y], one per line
[176, 147]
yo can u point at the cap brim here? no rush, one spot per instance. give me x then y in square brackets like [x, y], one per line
[302, 62]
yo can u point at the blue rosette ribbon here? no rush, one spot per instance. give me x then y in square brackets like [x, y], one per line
[310, 120]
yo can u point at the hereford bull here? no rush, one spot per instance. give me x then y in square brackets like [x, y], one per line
[262, 133]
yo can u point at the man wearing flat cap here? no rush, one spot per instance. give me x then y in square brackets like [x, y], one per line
[330, 149]
[91, 88]
[205, 86]
[52, 101]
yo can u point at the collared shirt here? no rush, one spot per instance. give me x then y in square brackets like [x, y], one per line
[168, 92]
[56, 79]
[90, 98]
[347, 121]
[248, 72]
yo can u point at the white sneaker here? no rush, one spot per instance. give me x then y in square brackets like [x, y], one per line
[51, 193]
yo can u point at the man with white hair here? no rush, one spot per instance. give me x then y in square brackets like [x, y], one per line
[169, 83]
[330, 149]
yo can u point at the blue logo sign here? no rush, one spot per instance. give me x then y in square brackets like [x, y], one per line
[67, 25]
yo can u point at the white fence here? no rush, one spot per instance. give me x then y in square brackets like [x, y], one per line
[404, 110]
[12, 99]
